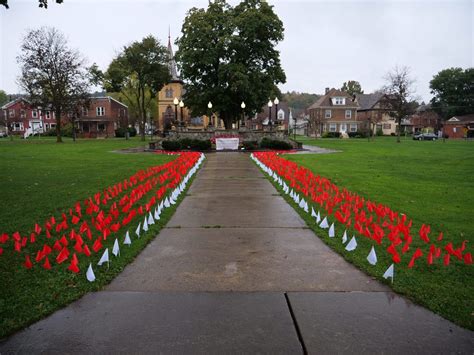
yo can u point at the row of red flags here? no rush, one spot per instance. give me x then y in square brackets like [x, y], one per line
[368, 218]
[83, 230]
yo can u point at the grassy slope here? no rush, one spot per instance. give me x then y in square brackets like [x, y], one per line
[431, 182]
[39, 179]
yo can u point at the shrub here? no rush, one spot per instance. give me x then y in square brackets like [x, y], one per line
[250, 145]
[379, 132]
[200, 144]
[331, 135]
[120, 132]
[171, 145]
[186, 143]
[275, 144]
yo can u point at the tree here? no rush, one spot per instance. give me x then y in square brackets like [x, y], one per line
[42, 3]
[453, 91]
[399, 95]
[138, 73]
[352, 87]
[227, 55]
[53, 75]
[3, 98]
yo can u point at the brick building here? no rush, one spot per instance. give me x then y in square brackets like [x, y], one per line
[372, 112]
[336, 111]
[460, 126]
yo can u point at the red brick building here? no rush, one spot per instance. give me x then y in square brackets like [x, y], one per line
[336, 111]
[103, 116]
[460, 126]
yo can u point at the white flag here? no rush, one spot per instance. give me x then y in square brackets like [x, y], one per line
[313, 214]
[137, 231]
[127, 239]
[306, 207]
[344, 237]
[150, 219]
[172, 201]
[90, 274]
[116, 249]
[318, 218]
[145, 225]
[157, 214]
[167, 202]
[352, 244]
[389, 273]
[104, 258]
[372, 257]
[324, 224]
[302, 202]
[297, 199]
[331, 231]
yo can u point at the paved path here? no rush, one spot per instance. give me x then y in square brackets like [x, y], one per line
[236, 270]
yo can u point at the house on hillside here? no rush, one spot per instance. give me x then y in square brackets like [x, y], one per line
[371, 112]
[336, 111]
[100, 119]
[460, 126]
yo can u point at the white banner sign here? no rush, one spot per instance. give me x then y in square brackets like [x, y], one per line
[227, 143]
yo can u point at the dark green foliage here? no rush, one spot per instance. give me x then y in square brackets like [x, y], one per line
[453, 91]
[228, 55]
[360, 134]
[121, 131]
[331, 135]
[299, 101]
[352, 87]
[171, 145]
[3, 98]
[250, 145]
[268, 143]
[379, 132]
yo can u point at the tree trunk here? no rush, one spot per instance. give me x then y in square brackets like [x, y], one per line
[58, 126]
[73, 129]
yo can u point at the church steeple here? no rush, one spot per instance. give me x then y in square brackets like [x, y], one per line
[172, 63]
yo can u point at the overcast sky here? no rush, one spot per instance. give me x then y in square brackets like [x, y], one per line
[326, 42]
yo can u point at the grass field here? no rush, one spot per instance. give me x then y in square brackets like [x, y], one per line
[432, 183]
[41, 178]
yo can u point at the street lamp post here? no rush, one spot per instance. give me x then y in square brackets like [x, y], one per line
[181, 122]
[209, 106]
[276, 102]
[176, 102]
[294, 130]
[270, 104]
[242, 106]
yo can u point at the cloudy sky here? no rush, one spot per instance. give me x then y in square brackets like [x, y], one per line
[326, 42]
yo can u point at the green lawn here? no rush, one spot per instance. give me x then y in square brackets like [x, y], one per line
[432, 183]
[40, 178]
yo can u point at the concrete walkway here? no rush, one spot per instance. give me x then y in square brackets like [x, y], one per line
[237, 271]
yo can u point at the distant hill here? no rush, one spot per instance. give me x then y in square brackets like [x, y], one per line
[299, 101]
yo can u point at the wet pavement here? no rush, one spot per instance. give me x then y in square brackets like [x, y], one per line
[237, 270]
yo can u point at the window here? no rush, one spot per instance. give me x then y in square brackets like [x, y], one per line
[353, 127]
[22, 113]
[348, 113]
[343, 127]
[46, 126]
[18, 126]
[455, 129]
[281, 115]
[101, 127]
[52, 125]
[100, 111]
[11, 113]
[85, 112]
[34, 114]
[338, 100]
[387, 126]
[332, 127]
[327, 114]
[169, 93]
[48, 114]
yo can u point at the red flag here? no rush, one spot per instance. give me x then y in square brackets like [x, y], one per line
[446, 259]
[37, 229]
[62, 256]
[97, 245]
[4, 238]
[46, 249]
[396, 258]
[440, 237]
[73, 267]
[468, 258]
[78, 247]
[24, 241]
[1, 251]
[39, 256]
[46, 264]
[16, 236]
[75, 220]
[53, 220]
[86, 250]
[32, 237]
[430, 258]
[48, 234]
[28, 264]
[64, 241]
[57, 245]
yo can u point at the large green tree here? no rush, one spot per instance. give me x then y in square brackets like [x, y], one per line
[352, 87]
[228, 55]
[3, 98]
[53, 75]
[138, 73]
[453, 91]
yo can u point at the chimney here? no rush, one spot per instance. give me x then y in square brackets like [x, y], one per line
[327, 90]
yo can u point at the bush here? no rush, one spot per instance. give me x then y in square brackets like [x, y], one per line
[357, 134]
[187, 143]
[379, 132]
[199, 144]
[275, 144]
[171, 145]
[66, 131]
[331, 135]
[250, 145]
[121, 131]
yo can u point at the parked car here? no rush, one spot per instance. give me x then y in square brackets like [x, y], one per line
[425, 137]
[3, 134]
